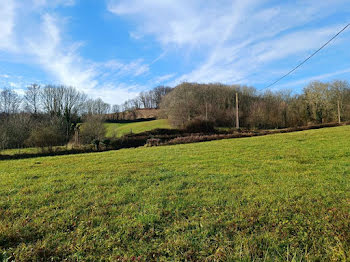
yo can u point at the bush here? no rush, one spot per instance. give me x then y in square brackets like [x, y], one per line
[200, 126]
[106, 142]
[153, 142]
[91, 130]
[96, 143]
[15, 130]
[160, 132]
[128, 142]
[45, 137]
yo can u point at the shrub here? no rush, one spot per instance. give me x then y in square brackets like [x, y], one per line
[153, 142]
[106, 142]
[96, 142]
[200, 126]
[128, 142]
[45, 137]
[92, 129]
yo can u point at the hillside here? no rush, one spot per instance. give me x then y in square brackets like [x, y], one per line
[279, 197]
[120, 129]
[140, 113]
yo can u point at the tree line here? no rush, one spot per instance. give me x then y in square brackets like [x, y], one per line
[319, 102]
[51, 115]
[148, 99]
[44, 116]
[145, 100]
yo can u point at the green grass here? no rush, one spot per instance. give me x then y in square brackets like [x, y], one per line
[281, 197]
[138, 127]
[31, 150]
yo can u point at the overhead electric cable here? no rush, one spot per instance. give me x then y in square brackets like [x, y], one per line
[308, 58]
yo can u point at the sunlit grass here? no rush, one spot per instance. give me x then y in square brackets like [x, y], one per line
[119, 129]
[32, 150]
[278, 197]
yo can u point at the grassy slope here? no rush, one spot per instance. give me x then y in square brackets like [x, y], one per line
[271, 197]
[138, 127]
[31, 150]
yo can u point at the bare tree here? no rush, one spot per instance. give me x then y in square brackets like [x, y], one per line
[9, 101]
[116, 109]
[72, 101]
[158, 94]
[318, 99]
[101, 107]
[143, 99]
[52, 99]
[136, 104]
[339, 89]
[32, 98]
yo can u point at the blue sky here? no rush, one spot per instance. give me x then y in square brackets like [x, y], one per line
[115, 49]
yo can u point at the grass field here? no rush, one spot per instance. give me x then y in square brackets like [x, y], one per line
[279, 197]
[137, 127]
[31, 150]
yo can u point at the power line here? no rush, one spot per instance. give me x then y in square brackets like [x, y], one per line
[318, 50]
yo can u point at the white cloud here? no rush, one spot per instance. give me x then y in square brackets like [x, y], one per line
[12, 84]
[116, 94]
[44, 44]
[229, 39]
[235, 38]
[51, 3]
[181, 22]
[68, 67]
[63, 62]
[7, 24]
[134, 68]
[293, 43]
[163, 78]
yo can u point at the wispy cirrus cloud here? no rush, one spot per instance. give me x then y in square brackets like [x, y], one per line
[134, 68]
[163, 78]
[165, 42]
[7, 24]
[181, 22]
[62, 61]
[237, 63]
[51, 3]
[235, 38]
[45, 45]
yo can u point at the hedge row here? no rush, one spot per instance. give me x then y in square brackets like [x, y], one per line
[159, 137]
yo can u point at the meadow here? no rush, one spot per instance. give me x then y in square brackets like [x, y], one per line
[29, 150]
[120, 129]
[283, 197]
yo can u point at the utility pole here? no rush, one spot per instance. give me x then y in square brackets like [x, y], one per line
[339, 112]
[237, 113]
